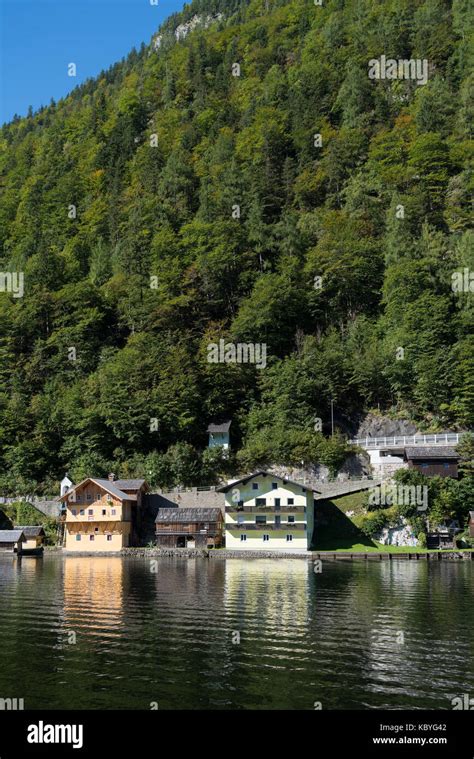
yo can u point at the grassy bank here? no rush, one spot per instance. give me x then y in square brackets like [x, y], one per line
[339, 532]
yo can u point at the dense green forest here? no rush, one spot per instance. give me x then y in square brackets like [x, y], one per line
[290, 200]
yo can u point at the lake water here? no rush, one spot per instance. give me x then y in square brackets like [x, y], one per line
[357, 636]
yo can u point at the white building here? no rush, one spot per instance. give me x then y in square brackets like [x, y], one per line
[66, 484]
[219, 435]
[264, 512]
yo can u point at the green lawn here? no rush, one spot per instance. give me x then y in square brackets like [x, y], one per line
[341, 533]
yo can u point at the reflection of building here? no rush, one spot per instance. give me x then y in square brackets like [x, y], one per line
[103, 515]
[189, 528]
[266, 512]
[276, 591]
[93, 591]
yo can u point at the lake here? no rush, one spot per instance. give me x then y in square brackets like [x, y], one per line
[109, 633]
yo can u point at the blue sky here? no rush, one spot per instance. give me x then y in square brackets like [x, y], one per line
[39, 38]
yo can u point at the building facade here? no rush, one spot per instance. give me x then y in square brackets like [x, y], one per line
[189, 528]
[264, 512]
[219, 435]
[34, 537]
[100, 516]
[433, 461]
[66, 484]
[11, 541]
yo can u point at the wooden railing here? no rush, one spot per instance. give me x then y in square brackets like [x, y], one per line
[246, 526]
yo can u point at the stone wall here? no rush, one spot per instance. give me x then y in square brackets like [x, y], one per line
[193, 553]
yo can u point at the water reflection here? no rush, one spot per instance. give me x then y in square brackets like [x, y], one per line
[276, 592]
[93, 592]
[236, 634]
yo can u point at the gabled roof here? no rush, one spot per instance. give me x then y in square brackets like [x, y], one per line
[260, 473]
[107, 485]
[31, 531]
[188, 515]
[11, 536]
[433, 452]
[128, 484]
[224, 427]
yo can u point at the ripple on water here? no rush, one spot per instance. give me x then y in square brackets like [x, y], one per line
[235, 635]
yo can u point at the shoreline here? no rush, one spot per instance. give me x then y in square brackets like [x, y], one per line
[224, 554]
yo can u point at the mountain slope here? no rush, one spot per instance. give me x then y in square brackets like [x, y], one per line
[245, 180]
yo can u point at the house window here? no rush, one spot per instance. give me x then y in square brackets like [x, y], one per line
[89, 496]
[90, 512]
[266, 538]
[79, 497]
[104, 512]
[424, 466]
[109, 538]
[289, 538]
[254, 485]
[277, 504]
[243, 538]
[74, 511]
[113, 512]
[274, 485]
[81, 512]
[291, 518]
[91, 537]
[260, 501]
[96, 529]
[291, 501]
[98, 497]
[240, 519]
[78, 537]
[446, 465]
[260, 520]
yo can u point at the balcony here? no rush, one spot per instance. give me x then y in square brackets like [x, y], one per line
[97, 516]
[268, 508]
[247, 526]
[179, 528]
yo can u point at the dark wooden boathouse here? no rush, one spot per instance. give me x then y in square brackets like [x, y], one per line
[189, 528]
[11, 541]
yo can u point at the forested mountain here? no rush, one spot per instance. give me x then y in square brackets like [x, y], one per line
[179, 199]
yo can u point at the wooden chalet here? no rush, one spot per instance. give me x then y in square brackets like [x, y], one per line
[103, 514]
[431, 461]
[189, 528]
